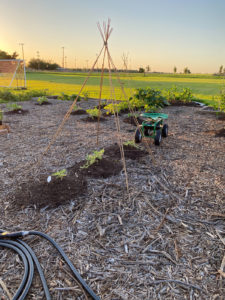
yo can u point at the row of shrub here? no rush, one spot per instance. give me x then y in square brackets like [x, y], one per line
[8, 96]
[151, 99]
[144, 98]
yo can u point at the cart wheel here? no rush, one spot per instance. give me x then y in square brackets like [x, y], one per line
[138, 136]
[158, 137]
[165, 130]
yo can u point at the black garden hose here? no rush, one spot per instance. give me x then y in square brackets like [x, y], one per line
[29, 258]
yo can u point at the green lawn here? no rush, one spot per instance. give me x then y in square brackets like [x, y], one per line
[204, 86]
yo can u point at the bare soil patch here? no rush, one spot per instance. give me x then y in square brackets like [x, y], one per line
[50, 194]
[17, 112]
[130, 152]
[164, 241]
[78, 112]
[93, 119]
[131, 120]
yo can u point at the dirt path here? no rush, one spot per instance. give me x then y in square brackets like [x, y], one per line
[162, 243]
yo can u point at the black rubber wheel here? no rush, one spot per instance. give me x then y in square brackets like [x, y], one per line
[165, 130]
[158, 137]
[138, 136]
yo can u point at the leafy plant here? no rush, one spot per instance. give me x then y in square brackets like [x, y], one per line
[13, 106]
[148, 98]
[220, 99]
[91, 158]
[85, 95]
[131, 143]
[60, 174]
[94, 113]
[73, 97]
[42, 99]
[184, 95]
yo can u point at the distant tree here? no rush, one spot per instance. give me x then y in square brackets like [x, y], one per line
[187, 71]
[221, 69]
[39, 64]
[148, 69]
[141, 70]
[5, 55]
[175, 70]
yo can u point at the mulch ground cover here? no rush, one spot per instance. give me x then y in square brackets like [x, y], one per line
[165, 240]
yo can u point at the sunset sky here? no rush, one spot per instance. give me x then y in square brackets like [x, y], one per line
[158, 33]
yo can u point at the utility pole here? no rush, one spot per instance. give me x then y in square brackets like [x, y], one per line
[87, 63]
[75, 61]
[65, 62]
[22, 44]
[63, 58]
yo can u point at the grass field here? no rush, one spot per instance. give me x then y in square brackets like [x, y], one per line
[203, 86]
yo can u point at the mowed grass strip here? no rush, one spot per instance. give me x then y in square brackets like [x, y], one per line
[203, 86]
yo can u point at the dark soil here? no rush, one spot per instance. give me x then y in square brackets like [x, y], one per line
[79, 112]
[17, 112]
[93, 119]
[103, 168]
[52, 194]
[131, 120]
[129, 151]
[220, 133]
[180, 103]
[44, 103]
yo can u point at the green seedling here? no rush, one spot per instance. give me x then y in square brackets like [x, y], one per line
[60, 174]
[94, 113]
[42, 99]
[13, 106]
[91, 158]
[131, 143]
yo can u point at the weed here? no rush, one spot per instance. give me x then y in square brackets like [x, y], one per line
[60, 174]
[91, 158]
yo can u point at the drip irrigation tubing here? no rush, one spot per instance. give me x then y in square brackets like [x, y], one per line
[12, 240]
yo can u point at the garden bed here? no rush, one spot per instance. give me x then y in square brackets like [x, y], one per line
[164, 241]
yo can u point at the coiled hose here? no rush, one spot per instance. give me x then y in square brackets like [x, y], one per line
[29, 259]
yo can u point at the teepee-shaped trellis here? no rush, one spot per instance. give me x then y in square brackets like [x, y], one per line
[107, 60]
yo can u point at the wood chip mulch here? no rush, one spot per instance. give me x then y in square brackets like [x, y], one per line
[164, 241]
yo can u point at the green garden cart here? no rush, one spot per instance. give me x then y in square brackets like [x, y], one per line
[152, 127]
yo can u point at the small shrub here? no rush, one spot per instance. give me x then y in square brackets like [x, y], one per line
[184, 95]
[7, 95]
[86, 96]
[13, 106]
[91, 158]
[42, 99]
[64, 96]
[222, 99]
[73, 97]
[94, 113]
